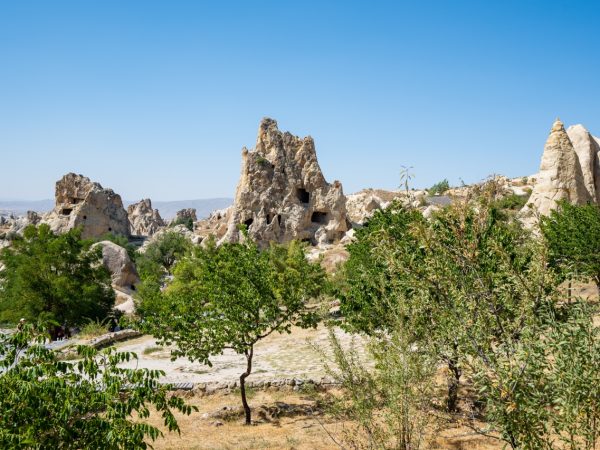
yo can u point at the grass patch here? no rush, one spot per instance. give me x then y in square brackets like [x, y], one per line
[152, 349]
[93, 329]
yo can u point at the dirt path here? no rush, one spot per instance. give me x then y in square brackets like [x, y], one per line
[278, 356]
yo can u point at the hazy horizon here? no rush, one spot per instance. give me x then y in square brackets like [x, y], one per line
[156, 100]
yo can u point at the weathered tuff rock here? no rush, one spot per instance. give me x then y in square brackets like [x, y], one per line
[587, 148]
[560, 177]
[214, 225]
[282, 194]
[184, 214]
[82, 202]
[124, 275]
[143, 220]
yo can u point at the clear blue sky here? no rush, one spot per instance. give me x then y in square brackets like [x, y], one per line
[156, 98]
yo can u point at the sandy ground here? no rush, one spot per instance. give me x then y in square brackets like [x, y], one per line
[306, 429]
[279, 356]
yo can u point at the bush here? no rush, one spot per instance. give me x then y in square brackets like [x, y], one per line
[439, 188]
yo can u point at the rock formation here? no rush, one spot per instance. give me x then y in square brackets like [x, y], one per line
[282, 194]
[587, 148]
[143, 220]
[214, 225]
[183, 215]
[80, 202]
[124, 275]
[560, 177]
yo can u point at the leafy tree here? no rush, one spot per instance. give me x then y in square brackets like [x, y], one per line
[55, 276]
[158, 259]
[572, 234]
[47, 403]
[231, 297]
[463, 280]
[439, 188]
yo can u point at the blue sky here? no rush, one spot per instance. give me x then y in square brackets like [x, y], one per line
[156, 98]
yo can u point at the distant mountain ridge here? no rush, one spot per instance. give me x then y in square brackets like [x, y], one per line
[167, 209]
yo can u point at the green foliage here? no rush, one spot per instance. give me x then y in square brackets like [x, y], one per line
[369, 283]
[473, 288]
[90, 403]
[57, 277]
[230, 297]
[188, 222]
[94, 328]
[390, 403]
[543, 389]
[121, 241]
[512, 202]
[158, 259]
[572, 234]
[439, 188]
[461, 282]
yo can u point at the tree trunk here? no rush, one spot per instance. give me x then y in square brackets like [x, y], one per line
[454, 374]
[243, 377]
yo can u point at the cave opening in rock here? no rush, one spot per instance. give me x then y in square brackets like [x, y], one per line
[279, 219]
[269, 218]
[75, 200]
[84, 217]
[248, 222]
[318, 217]
[303, 195]
[109, 229]
[67, 211]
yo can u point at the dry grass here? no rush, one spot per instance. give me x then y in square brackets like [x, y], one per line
[216, 427]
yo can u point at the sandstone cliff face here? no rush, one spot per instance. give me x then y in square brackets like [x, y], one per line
[282, 194]
[560, 177]
[143, 220]
[80, 202]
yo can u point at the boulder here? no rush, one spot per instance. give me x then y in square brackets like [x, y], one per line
[81, 202]
[143, 220]
[124, 275]
[560, 176]
[282, 194]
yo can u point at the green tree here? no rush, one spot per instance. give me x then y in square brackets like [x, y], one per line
[55, 276]
[572, 234]
[161, 254]
[91, 403]
[464, 280]
[231, 297]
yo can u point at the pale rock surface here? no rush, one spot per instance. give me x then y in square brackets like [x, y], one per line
[183, 214]
[214, 225]
[560, 177]
[587, 150]
[124, 275]
[282, 194]
[143, 220]
[81, 202]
